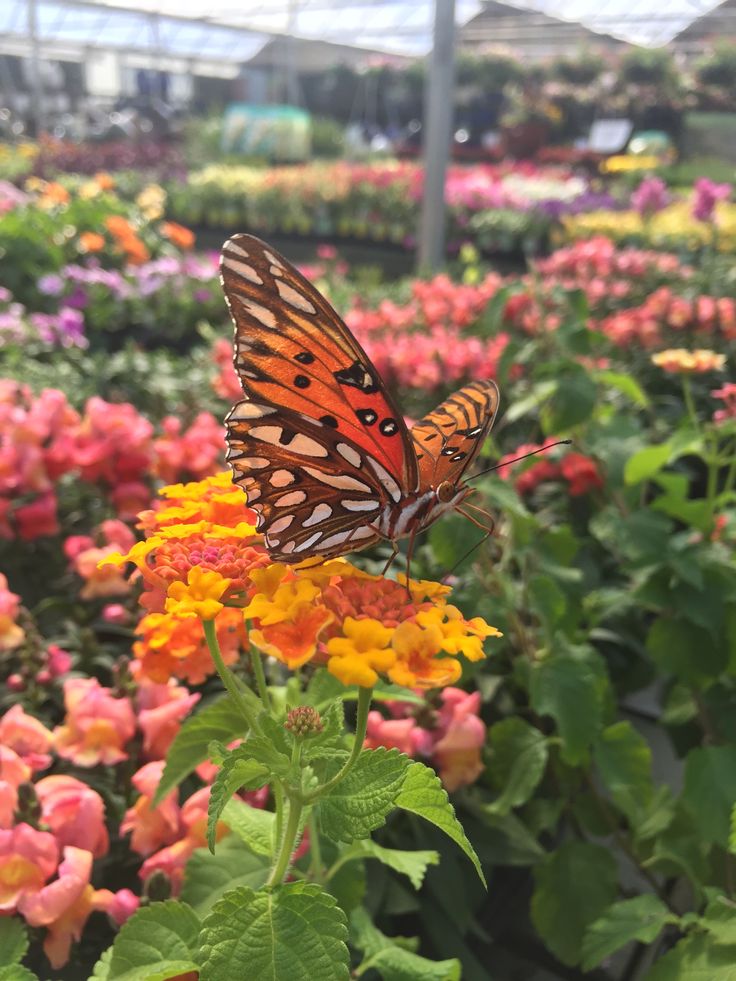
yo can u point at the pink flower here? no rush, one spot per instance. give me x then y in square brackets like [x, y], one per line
[706, 195]
[650, 196]
[28, 858]
[151, 827]
[38, 518]
[11, 635]
[13, 772]
[28, 737]
[401, 734]
[97, 725]
[457, 752]
[58, 661]
[161, 709]
[115, 613]
[74, 813]
[50, 902]
[581, 473]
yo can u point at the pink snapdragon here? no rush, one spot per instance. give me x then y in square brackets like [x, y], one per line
[97, 726]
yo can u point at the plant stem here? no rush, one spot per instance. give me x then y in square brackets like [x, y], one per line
[226, 675]
[287, 843]
[260, 675]
[361, 724]
[689, 402]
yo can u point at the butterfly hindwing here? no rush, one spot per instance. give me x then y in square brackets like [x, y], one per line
[448, 439]
[293, 351]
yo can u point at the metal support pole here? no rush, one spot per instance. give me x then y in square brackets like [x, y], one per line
[437, 133]
[37, 107]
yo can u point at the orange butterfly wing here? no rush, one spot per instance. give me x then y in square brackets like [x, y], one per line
[318, 442]
[449, 438]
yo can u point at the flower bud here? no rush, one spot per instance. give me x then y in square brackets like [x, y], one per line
[304, 721]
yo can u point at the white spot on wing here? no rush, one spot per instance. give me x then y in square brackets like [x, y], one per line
[354, 535]
[291, 499]
[262, 314]
[281, 478]
[339, 481]
[272, 258]
[280, 524]
[230, 246]
[320, 513]
[243, 269]
[250, 410]
[308, 541]
[294, 297]
[360, 505]
[348, 453]
[386, 479]
[306, 446]
[255, 462]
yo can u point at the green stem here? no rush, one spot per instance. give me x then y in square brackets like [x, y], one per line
[689, 402]
[288, 840]
[361, 724]
[226, 675]
[260, 675]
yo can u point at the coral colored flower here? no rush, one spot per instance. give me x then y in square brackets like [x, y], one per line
[69, 926]
[74, 813]
[27, 737]
[37, 519]
[680, 361]
[727, 395]
[581, 473]
[97, 726]
[392, 733]
[91, 242]
[11, 635]
[417, 662]
[161, 709]
[175, 647]
[200, 596]
[293, 640]
[151, 827]
[28, 858]
[13, 772]
[58, 660]
[456, 753]
[55, 898]
[178, 235]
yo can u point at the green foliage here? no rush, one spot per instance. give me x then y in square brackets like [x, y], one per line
[238, 771]
[641, 918]
[361, 801]
[570, 688]
[208, 876]
[518, 759]
[13, 941]
[157, 942]
[411, 864]
[294, 933]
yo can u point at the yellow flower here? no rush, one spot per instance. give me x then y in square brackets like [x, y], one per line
[459, 636]
[199, 596]
[356, 658]
[682, 362]
[417, 664]
[284, 602]
[137, 554]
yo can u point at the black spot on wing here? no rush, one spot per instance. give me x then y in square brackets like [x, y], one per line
[301, 381]
[304, 357]
[330, 421]
[357, 376]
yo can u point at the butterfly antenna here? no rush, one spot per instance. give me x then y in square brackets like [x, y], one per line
[507, 463]
[467, 555]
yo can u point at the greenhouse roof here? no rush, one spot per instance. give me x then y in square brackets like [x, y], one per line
[235, 30]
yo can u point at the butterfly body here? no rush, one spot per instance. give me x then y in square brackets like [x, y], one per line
[321, 449]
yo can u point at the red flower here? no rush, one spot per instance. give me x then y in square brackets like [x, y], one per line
[581, 474]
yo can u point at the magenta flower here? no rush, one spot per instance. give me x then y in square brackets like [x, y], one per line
[650, 197]
[706, 195]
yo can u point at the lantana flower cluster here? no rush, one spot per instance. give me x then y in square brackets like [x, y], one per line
[579, 472]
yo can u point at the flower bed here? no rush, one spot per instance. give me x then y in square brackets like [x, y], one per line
[609, 576]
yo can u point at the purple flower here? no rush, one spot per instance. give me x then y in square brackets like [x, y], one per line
[202, 296]
[650, 197]
[51, 285]
[77, 299]
[706, 194]
[70, 328]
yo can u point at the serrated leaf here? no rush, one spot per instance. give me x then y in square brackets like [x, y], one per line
[518, 760]
[207, 877]
[573, 888]
[696, 958]
[251, 824]
[13, 940]
[398, 964]
[361, 801]
[719, 920]
[238, 770]
[624, 761]
[329, 743]
[411, 864]
[158, 942]
[641, 918]
[16, 972]
[647, 462]
[270, 745]
[221, 720]
[710, 790]
[571, 691]
[101, 970]
[296, 932]
[572, 403]
[422, 794]
[683, 648]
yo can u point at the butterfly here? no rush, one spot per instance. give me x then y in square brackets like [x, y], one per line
[318, 443]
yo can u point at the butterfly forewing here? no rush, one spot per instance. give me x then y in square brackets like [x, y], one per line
[294, 352]
[449, 438]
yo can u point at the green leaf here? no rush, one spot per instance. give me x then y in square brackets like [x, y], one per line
[696, 958]
[221, 720]
[640, 918]
[16, 972]
[624, 761]
[270, 744]
[572, 403]
[411, 864]
[451, 541]
[207, 877]
[573, 888]
[158, 942]
[571, 690]
[625, 384]
[645, 463]
[238, 770]
[296, 932]
[423, 794]
[324, 688]
[719, 920]
[685, 649]
[539, 394]
[732, 831]
[13, 940]
[394, 962]
[710, 791]
[332, 738]
[360, 802]
[252, 825]
[518, 760]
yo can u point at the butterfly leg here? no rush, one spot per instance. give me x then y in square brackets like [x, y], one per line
[486, 514]
[392, 557]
